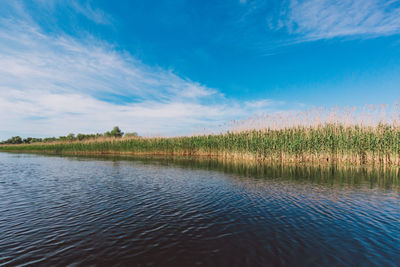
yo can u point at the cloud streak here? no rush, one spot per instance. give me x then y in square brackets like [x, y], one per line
[94, 14]
[311, 20]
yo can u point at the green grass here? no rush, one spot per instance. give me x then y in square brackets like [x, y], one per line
[327, 143]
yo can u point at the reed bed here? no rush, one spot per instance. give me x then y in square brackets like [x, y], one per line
[318, 135]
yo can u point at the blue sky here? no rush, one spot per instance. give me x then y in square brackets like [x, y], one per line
[174, 67]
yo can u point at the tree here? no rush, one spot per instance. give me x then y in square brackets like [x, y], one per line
[15, 140]
[133, 134]
[115, 132]
[28, 140]
[80, 136]
[71, 137]
[49, 139]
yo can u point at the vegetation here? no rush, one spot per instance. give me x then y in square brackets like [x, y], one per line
[327, 140]
[325, 143]
[115, 132]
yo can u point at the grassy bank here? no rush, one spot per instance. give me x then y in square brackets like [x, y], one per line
[324, 143]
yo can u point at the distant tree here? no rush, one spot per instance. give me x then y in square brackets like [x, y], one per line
[115, 132]
[16, 140]
[71, 137]
[19, 140]
[133, 134]
[27, 140]
[80, 137]
[49, 139]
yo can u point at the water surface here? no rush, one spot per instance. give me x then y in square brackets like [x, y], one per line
[184, 212]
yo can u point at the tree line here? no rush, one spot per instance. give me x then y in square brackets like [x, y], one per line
[115, 132]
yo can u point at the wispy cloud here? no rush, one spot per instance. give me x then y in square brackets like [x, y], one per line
[323, 19]
[55, 84]
[278, 23]
[91, 13]
[261, 103]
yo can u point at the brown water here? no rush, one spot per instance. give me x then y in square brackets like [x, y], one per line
[183, 212]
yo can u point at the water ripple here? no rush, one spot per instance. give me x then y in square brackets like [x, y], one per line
[77, 211]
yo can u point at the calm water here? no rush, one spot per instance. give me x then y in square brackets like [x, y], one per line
[182, 212]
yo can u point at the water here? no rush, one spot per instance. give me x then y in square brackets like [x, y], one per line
[183, 212]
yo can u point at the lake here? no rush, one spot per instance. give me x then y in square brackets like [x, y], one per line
[186, 212]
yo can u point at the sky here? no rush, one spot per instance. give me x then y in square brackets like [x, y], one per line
[177, 67]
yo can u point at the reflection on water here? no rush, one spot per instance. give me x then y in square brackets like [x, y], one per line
[329, 175]
[185, 212]
[387, 178]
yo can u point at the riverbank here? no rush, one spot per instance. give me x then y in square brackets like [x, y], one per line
[378, 145]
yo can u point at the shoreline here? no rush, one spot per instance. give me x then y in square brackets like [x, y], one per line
[328, 144]
[224, 157]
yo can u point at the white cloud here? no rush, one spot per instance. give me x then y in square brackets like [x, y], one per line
[40, 113]
[51, 85]
[324, 19]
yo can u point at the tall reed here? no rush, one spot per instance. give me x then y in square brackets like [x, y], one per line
[369, 136]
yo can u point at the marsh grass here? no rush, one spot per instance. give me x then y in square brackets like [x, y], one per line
[371, 136]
